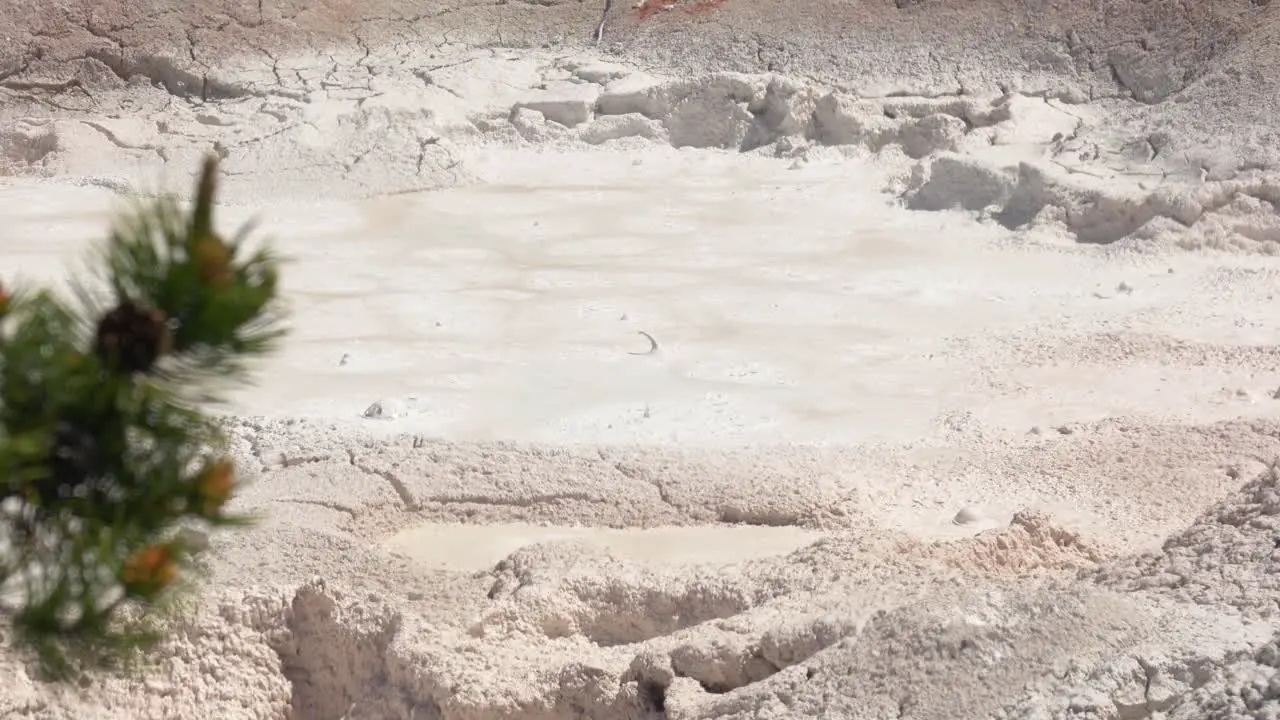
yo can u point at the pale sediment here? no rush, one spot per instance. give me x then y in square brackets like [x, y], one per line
[1104, 568]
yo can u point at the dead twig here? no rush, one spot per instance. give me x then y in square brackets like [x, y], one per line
[604, 18]
[653, 345]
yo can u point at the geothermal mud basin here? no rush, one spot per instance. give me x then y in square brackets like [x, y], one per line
[706, 359]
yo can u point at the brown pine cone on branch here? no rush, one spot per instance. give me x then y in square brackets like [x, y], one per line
[131, 339]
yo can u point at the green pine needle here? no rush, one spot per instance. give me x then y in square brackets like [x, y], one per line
[103, 464]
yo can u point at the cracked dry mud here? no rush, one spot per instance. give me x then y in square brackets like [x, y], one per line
[980, 295]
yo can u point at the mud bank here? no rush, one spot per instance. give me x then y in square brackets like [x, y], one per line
[1020, 620]
[1137, 123]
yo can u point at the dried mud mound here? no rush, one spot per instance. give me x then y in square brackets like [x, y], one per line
[1150, 121]
[1133, 639]
[1032, 620]
[1228, 557]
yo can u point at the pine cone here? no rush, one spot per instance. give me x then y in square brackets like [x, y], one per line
[131, 339]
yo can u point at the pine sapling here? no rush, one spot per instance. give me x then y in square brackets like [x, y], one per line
[105, 456]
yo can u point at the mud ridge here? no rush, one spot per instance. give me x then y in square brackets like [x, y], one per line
[1037, 160]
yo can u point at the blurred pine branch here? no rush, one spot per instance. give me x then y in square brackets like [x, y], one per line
[104, 454]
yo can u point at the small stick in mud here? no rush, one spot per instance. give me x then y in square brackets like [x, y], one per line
[653, 345]
[604, 17]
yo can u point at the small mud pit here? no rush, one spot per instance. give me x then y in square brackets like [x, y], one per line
[468, 548]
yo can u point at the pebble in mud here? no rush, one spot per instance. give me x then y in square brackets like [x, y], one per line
[968, 515]
[388, 409]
